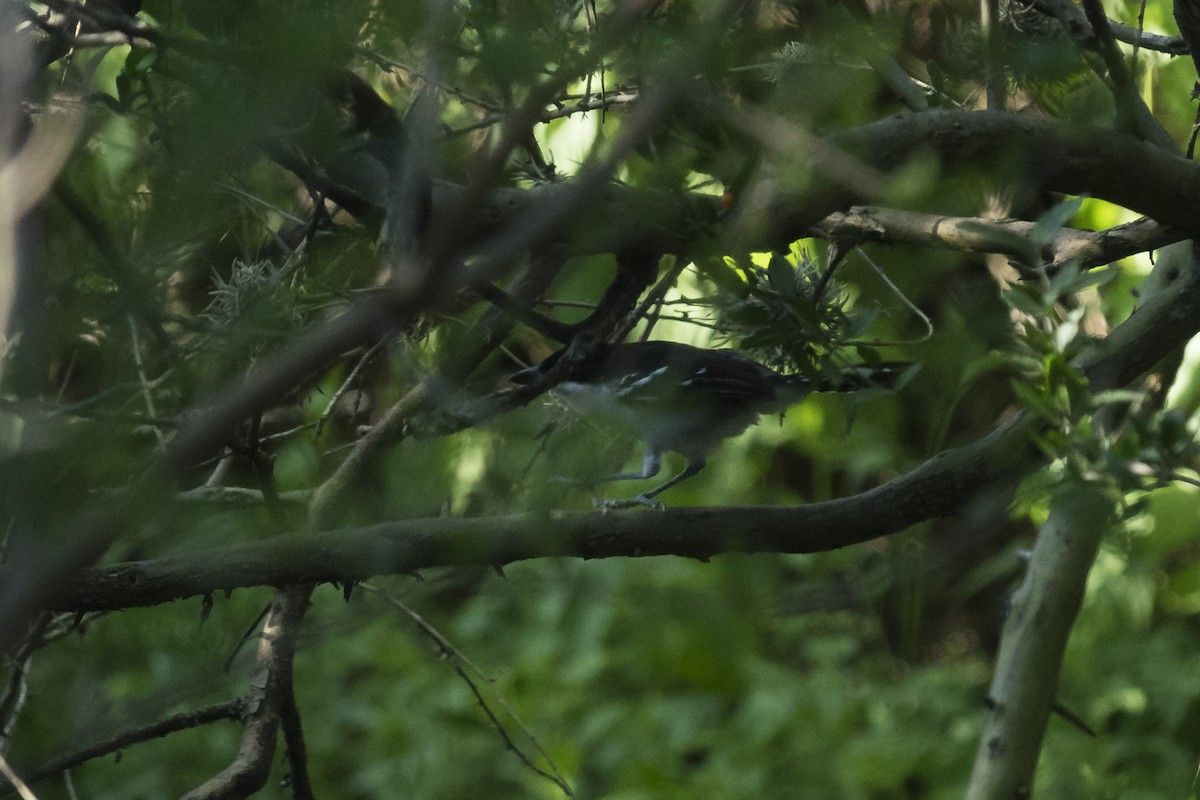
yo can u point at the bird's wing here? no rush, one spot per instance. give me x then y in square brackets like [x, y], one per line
[666, 375]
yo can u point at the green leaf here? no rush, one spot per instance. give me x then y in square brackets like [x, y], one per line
[1025, 299]
[1025, 248]
[860, 322]
[126, 91]
[869, 355]
[1054, 220]
[141, 59]
[1062, 280]
[724, 273]
[781, 276]
[1121, 396]
[1035, 401]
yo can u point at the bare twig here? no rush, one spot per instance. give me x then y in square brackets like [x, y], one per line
[136, 31]
[448, 650]
[16, 692]
[108, 18]
[554, 778]
[899, 293]
[382, 431]
[995, 81]
[69, 785]
[1074, 21]
[217, 476]
[347, 383]
[297, 751]
[248, 635]
[1130, 108]
[147, 397]
[390, 64]
[17, 783]
[29, 164]
[81, 41]
[1053, 159]
[238, 495]
[178, 722]
[522, 119]
[653, 301]
[560, 110]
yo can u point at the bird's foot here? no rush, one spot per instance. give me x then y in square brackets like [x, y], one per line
[633, 502]
[607, 505]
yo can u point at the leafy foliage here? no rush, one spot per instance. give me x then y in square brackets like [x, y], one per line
[788, 314]
[234, 190]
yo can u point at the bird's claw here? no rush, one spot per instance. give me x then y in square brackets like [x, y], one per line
[607, 505]
[633, 502]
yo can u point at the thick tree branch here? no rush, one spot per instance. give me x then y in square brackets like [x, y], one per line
[1095, 162]
[1039, 621]
[1025, 150]
[1132, 113]
[1075, 22]
[936, 488]
[1037, 152]
[1044, 153]
[939, 487]
[1187, 17]
[208, 430]
[265, 701]
[862, 224]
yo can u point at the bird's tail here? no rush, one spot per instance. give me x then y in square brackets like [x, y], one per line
[886, 375]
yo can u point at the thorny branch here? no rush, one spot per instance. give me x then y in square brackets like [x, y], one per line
[264, 704]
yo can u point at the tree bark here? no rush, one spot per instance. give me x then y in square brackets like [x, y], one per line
[1035, 635]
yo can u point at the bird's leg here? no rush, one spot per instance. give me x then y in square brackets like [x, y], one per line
[646, 498]
[693, 466]
[651, 465]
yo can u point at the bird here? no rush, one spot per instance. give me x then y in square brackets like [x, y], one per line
[679, 398]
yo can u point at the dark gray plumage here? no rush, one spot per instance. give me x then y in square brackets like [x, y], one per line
[684, 399]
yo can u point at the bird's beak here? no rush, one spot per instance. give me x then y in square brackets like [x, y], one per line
[526, 376]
